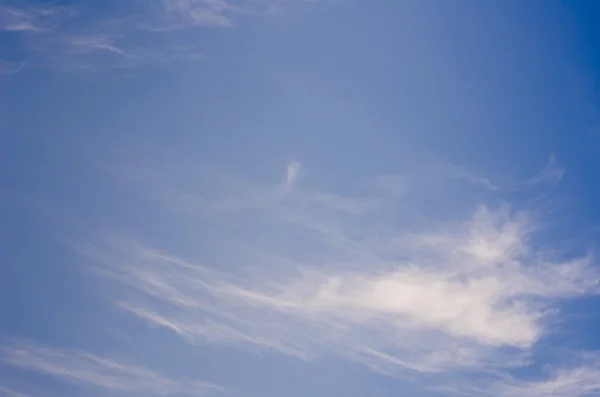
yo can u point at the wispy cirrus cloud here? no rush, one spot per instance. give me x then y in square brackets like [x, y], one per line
[552, 173]
[72, 37]
[209, 13]
[571, 382]
[33, 17]
[568, 380]
[89, 370]
[467, 296]
[7, 68]
[85, 37]
[7, 392]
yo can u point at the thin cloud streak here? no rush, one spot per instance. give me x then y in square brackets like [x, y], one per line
[7, 392]
[567, 381]
[85, 369]
[8, 68]
[573, 382]
[551, 174]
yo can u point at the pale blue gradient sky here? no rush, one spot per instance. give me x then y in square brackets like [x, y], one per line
[268, 197]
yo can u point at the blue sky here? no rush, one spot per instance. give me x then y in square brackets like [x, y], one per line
[299, 197]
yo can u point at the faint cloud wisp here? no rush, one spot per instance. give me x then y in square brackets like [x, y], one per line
[85, 369]
[84, 37]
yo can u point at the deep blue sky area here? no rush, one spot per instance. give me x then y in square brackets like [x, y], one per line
[290, 197]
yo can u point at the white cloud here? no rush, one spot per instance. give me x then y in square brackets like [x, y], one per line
[466, 296]
[87, 369]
